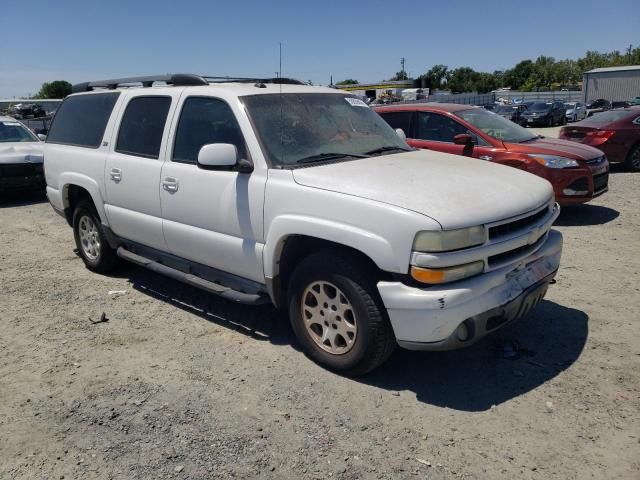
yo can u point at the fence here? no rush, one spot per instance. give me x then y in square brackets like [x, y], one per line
[490, 98]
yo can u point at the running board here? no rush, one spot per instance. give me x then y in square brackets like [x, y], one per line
[193, 280]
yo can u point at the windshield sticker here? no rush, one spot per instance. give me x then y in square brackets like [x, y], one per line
[355, 102]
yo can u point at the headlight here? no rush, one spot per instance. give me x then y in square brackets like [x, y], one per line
[445, 275]
[554, 161]
[444, 241]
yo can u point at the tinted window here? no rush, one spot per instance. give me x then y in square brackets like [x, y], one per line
[495, 126]
[608, 117]
[438, 128]
[399, 120]
[142, 126]
[204, 121]
[540, 107]
[81, 119]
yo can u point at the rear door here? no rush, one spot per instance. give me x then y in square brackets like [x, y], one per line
[132, 173]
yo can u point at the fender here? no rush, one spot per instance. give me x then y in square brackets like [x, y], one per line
[369, 243]
[67, 179]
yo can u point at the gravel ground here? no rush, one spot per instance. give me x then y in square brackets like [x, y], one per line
[179, 384]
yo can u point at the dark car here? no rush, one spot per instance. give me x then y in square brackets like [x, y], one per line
[547, 113]
[512, 112]
[615, 132]
[599, 104]
[578, 173]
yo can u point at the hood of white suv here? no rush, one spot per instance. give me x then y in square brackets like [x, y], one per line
[21, 152]
[453, 190]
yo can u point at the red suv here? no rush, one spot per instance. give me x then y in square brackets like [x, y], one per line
[577, 172]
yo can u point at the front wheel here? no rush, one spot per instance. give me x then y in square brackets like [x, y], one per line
[632, 161]
[550, 121]
[91, 239]
[337, 315]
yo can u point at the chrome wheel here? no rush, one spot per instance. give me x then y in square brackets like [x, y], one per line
[329, 317]
[89, 237]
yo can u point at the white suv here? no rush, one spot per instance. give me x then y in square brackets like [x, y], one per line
[302, 196]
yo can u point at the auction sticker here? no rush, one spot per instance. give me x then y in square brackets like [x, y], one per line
[11, 124]
[355, 102]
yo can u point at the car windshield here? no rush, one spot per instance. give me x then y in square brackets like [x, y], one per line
[540, 107]
[301, 127]
[569, 106]
[495, 126]
[505, 109]
[12, 131]
[609, 116]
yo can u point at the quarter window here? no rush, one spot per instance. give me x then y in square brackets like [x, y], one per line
[142, 126]
[82, 119]
[203, 121]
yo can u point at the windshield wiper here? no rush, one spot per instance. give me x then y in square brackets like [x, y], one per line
[321, 157]
[385, 149]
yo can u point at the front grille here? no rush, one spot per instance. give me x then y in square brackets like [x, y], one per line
[21, 169]
[512, 255]
[600, 182]
[520, 224]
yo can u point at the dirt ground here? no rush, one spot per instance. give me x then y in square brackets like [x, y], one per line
[180, 384]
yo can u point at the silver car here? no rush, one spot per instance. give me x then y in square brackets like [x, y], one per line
[575, 111]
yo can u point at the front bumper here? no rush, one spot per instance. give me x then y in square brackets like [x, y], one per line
[21, 177]
[429, 318]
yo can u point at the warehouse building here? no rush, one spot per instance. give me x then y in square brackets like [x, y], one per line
[616, 84]
[375, 90]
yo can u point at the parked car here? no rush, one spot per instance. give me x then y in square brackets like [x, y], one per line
[286, 193]
[575, 111]
[513, 113]
[27, 110]
[20, 158]
[577, 174]
[635, 101]
[620, 104]
[547, 113]
[599, 104]
[615, 132]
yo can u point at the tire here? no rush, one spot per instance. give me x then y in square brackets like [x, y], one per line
[550, 121]
[316, 291]
[632, 162]
[91, 239]
[563, 120]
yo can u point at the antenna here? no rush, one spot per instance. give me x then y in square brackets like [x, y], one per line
[280, 76]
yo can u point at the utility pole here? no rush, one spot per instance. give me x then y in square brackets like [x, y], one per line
[629, 51]
[402, 65]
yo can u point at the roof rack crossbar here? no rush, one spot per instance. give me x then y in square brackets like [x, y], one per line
[177, 79]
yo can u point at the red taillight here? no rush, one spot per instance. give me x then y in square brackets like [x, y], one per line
[601, 135]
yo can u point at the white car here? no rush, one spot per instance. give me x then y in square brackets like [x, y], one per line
[304, 197]
[21, 153]
[575, 111]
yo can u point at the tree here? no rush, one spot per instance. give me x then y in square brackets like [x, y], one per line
[463, 79]
[518, 75]
[348, 81]
[55, 89]
[436, 77]
[401, 75]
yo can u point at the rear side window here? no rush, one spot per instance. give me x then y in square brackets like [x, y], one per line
[399, 120]
[438, 128]
[82, 119]
[142, 126]
[203, 121]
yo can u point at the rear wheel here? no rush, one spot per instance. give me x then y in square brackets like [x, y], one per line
[550, 121]
[337, 314]
[91, 239]
[632, 161]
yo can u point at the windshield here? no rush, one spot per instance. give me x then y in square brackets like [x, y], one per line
[569, 106]
[540, 107]
[12, 131]
[495, 126]
[608, 117]
[296, 127]
[505, 109]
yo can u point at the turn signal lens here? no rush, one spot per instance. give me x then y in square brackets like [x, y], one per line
[436, 276]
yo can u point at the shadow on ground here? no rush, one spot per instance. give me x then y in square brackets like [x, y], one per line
[584, 215]
[8, 200]
[512, 361]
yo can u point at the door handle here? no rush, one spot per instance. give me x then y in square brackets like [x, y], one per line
[485, 157]
[116, 174]
[170, 184]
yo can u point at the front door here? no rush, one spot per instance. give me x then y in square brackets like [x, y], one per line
[212, 217]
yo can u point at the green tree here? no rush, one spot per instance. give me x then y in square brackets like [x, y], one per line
[518, 75]
[436, 77]
[348, 81]
[55, 89]
[401, 75]
[463, 79]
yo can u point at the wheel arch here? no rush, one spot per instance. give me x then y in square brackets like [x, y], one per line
[76, 188]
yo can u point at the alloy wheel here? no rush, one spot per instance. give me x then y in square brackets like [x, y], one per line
[89, 237]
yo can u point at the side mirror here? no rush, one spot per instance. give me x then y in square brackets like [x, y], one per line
[218, 155]
[401, 134]
[463, 139]
[42, 137]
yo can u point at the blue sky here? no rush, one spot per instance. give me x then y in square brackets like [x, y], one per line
[93, 39]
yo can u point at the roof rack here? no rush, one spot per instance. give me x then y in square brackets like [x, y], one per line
[177, 79]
